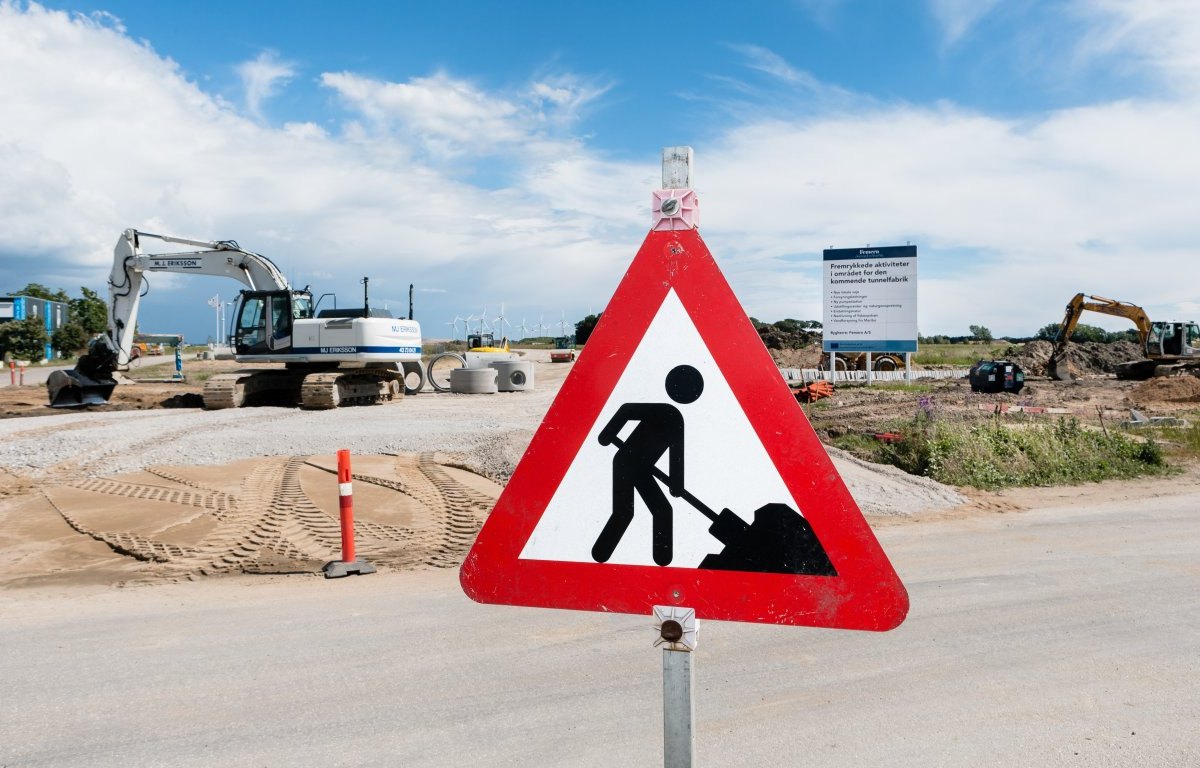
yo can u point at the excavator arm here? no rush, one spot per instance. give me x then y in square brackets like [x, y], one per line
[218, 258]
[92, 382]
[1060, 367]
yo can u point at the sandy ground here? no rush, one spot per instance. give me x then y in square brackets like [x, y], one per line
[1049, 626]
[143, 491]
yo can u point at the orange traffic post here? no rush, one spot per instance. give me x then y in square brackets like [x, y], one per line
[349, 564]
[346, 505]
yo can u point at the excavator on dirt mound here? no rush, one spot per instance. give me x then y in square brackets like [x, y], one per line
[331, 357]
[1171, 347]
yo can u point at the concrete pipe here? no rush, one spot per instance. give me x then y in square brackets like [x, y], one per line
[513, 375]
[473, 381]
[437, 373]
[414, 377]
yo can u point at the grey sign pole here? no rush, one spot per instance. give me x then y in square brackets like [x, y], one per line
[677, 628]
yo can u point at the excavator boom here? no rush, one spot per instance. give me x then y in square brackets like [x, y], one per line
[1060, 366]
[360, 355]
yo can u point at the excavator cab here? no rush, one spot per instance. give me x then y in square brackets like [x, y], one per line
[1173, 339]
[264, 320]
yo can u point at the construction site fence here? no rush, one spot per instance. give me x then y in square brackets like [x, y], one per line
[814, 374]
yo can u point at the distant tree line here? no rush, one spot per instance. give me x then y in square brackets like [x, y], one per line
[782, 334]
[1047, 332]
[794, 334]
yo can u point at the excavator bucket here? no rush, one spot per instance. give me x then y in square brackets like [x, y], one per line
[90, 383]
[71, 389]
[1060, 367]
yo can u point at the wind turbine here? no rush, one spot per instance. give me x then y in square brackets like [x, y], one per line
[524, 330]
[501, 321]
[562, 322]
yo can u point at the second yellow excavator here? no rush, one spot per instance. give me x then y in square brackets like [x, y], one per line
[1170, 347]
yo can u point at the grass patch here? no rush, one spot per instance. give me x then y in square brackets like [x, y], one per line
[1182, 442]
[958, 354]
[993, 455]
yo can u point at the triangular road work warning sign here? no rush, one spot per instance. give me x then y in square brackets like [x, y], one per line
[676, 468]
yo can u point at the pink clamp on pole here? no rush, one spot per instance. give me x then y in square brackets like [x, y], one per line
[349, 565]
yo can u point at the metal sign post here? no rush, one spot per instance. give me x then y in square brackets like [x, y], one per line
[677, 630]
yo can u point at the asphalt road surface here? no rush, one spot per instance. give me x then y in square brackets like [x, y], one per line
[1054, 637]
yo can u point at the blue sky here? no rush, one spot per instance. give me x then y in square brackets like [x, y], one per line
[505, 153]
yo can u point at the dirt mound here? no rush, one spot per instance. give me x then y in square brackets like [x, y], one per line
[1167, 389]
[184, 400]
[803, 357]
[1089, 357]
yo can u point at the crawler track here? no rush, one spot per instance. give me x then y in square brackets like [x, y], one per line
[271, 525]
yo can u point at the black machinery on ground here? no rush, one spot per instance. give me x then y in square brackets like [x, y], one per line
[996, 376]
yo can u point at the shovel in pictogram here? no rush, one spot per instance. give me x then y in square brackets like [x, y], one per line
[779, 540]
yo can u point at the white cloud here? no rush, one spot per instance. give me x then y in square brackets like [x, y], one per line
[1164, 34]
[452, 117]
[1013, 210]
[102, 133]
[1012, 215]
[957, 17]
[262, 78]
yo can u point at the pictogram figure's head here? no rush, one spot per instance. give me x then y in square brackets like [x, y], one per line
[684, 384]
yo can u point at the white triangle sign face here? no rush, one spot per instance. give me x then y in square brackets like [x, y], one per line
[582, 503]
[676, 468]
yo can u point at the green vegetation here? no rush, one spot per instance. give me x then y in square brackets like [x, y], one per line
[23, 339]
[1084, 332]
[584, 328]
[70, 339]
[87, 315]
[958, 354]
[993, 455]
[1181, 441]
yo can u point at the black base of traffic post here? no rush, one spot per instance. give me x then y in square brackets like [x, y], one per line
[336, 569]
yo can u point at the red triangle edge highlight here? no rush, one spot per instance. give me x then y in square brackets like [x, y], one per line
[866, 594]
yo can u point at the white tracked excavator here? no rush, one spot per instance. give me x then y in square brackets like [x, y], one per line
[332, 357]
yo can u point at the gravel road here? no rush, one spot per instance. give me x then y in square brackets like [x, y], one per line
[488, 432]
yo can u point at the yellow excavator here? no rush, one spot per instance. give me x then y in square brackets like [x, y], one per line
[1170, 347]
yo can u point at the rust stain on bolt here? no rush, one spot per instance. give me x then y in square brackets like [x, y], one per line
[672, 631]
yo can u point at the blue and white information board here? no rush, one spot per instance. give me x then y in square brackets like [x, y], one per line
[870, 299]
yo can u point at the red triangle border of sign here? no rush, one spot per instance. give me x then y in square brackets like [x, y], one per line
[866, 594]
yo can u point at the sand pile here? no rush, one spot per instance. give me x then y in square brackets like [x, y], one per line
[1167, 389]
